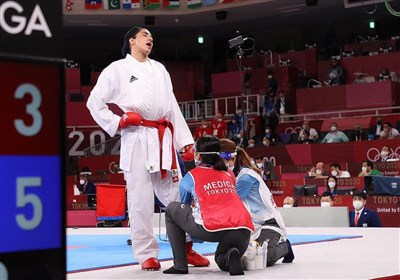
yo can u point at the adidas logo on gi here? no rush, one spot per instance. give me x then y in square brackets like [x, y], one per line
[133, 78]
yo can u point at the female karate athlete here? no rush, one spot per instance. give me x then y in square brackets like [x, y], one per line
[142, 88]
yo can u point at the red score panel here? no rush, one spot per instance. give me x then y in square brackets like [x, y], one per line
[29, 110]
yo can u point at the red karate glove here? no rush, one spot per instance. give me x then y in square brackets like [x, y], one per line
[188, 153]
[130, 118]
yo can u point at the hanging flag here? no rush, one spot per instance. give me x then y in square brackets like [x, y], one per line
[209, 2]
[151, 4]
[93, 4]
[225, 1]
[171, 4]
[130, 4]
[112, 5]
[193, 4]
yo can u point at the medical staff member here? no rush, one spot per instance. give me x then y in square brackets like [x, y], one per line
[142, 88]
[217, 215]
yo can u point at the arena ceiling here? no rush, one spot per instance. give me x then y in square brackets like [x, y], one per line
[248, 16]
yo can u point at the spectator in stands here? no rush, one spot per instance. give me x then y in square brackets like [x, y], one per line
[266, 142]
[203, 129]
[331, 185]
[114, 168]
[88, 188]
[271, 135]
[361, 216]
[269, 171]
[389, 132]
[376, 129]
[368, 169]
[269, 114]
[326, 199]
[336, 170]
[272, 84]
[360, 79]
[385, 154]
[357, 134]
[219, 126]
[251, 143]
[334, 135]
[241, 119]
[85, 171]
[306, 138]
[318, 171]
[384, 75]
[142, 88]
[335, 73]
[234, 131]
[267, 220]
[289, 201]
[259, 162]
[283, 104]
[313, 133]
[205, 216]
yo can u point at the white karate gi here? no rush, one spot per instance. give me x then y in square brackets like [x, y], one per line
[144, 88]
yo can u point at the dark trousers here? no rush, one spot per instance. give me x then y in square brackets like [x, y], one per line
[275, 250]
[179, 220]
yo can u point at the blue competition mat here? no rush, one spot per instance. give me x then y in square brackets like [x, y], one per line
[89, 252]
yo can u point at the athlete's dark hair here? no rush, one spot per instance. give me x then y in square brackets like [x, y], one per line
[207, 144]
[126, 47]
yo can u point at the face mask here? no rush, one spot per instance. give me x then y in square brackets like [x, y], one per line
[287, 206]
[334, 173]
[239, 111]
[384, 153]
[265, 143]
[267, 131]
[269, 76]
[251, 145]
[363, 169]
[204, 125]
[319, 172]
[252, 162]
[219, 119]
[331, 184]
[325, 204]
[231, 168]
[82, 182]
[357, 205]
[260, 165]
[197, 162]
[333, 128]
[304, 126]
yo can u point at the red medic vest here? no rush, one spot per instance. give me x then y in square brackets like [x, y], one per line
[220, 206]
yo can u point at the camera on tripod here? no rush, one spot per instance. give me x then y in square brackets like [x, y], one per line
[236, 42]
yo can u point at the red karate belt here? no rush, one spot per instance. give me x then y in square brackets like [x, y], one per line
[161, 125]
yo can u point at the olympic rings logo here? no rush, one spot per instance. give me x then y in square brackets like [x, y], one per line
[297, 129]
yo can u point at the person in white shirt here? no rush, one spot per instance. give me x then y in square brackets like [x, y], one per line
[142, 88]
[313, 132]
[389, 132]
[336, 170]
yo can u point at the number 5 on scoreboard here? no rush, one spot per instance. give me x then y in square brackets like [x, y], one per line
[23, 199]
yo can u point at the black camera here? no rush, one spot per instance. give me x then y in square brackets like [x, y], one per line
[236, 42]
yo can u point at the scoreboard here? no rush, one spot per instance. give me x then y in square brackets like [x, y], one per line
[31, 164]
[32, 220]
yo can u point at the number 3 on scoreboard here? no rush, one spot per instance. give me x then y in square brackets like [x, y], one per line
[31, 109]
[23, 199]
